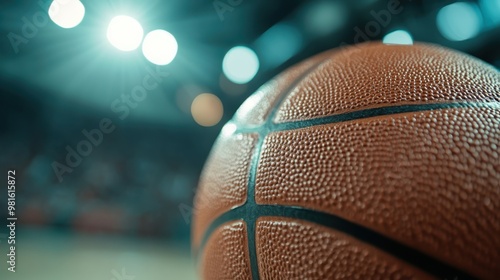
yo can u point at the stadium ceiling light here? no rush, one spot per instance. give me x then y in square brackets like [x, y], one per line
[66, 13]
[159, 47]
[125, 33]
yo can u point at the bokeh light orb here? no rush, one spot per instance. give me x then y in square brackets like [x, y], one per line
[460, 21]
[125, 33]
[398, 37]
[207, 109]
[159, 47]
[240, 65]
[66, 13]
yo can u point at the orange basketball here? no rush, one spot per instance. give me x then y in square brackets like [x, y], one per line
[369, 162]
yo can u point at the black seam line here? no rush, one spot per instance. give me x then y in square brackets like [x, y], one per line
[363, 114]
[403, 252]
[247, 211]
[250, 200]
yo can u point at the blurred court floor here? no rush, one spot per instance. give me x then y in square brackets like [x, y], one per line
[54, 255]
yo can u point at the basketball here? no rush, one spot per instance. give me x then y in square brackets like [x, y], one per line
[372, 161]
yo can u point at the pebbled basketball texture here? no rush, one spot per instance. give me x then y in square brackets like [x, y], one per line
[369, 162]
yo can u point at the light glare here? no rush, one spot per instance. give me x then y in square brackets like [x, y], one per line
[125, 33]
[159, 47]
[229, 129]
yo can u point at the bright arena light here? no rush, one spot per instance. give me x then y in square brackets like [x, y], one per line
[459, 21]
[66, 13]
[207, 109]
[159, 47]
[240, 65]
[125, 33]
[398, 37]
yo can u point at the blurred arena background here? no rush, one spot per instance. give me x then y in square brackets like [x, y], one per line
[121, 207]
